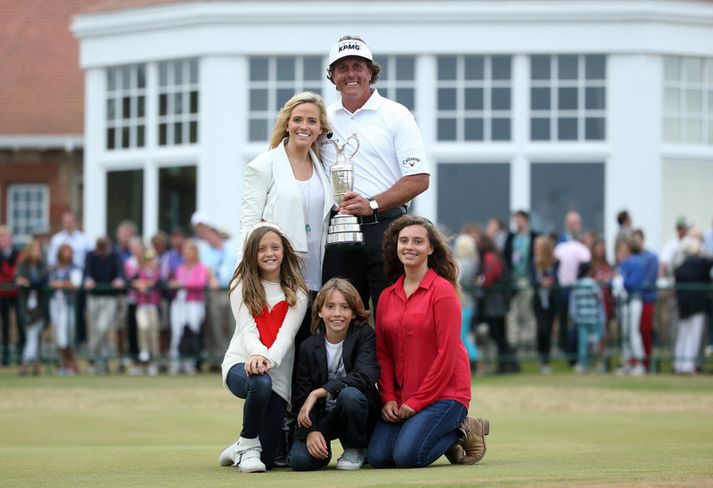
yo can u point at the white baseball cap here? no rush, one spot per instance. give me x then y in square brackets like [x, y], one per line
[349, 47]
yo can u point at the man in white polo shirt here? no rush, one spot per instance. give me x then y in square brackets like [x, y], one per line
[390, 166]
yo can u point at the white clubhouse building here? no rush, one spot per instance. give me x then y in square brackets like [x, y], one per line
[548, 106]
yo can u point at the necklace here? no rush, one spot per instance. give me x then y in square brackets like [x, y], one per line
[307, 202]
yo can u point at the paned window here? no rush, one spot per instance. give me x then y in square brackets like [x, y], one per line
[474, 98]
[27, 210]
[126, 107]
[568, 98]
[397, 80]
[178, 102]
[688, 100]
[273, 81]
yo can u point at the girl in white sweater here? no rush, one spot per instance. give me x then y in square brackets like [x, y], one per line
[269, 299]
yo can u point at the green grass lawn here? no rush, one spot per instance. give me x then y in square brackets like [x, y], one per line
[563, 430]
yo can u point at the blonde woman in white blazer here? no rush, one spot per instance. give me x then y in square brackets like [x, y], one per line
[288, 185]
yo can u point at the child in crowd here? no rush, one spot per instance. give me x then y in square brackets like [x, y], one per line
[466, 252]
[335, 390]
[586, 308]
[32, 278]
[187, 310]
[65, 279]
[269, 299]
[132, 264]
[148, 300]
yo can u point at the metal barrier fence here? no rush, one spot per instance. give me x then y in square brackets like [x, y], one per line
[664, 331]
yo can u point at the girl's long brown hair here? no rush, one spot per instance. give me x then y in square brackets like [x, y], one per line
[547, 259]
[361, 316]
[441, 260]
[248, 272]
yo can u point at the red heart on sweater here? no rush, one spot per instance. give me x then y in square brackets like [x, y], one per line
[270, 321]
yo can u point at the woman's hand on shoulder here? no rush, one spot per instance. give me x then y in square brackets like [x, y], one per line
[390, 412]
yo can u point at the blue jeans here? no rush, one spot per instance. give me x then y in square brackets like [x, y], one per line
[585, 331]
[347, 421]
[418, 441]
[263, 410]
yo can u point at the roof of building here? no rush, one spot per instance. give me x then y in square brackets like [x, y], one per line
[42, 85]
[108, 5]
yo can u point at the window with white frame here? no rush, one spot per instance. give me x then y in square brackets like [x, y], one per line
[178, 102]
[273, 81]
[397, 80]
[126, 107]
[474, 98]
[688, 100]
[27, 209]
[568, 97]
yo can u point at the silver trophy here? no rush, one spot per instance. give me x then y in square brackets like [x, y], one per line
[344, 230]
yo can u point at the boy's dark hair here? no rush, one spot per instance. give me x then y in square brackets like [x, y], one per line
[583, 269]
[622, 217]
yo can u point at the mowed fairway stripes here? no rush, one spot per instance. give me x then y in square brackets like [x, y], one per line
[561, 430]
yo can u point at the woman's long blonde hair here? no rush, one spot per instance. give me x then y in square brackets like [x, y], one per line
[279, 132]
[248, 272]
[547, 258]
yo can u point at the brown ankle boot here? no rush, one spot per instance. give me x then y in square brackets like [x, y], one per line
[473, 442]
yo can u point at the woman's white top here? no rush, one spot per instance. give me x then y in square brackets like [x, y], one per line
[271, 193]
[312, 205]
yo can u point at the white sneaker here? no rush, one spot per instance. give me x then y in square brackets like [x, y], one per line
[247, 456]
[174, 367]
[579, 369]
[189, 367]
[545, 369]
[152, 369]
[638, 370]
[227, 457]
[353, 458]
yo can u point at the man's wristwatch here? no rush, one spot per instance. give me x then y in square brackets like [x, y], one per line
[373, 205]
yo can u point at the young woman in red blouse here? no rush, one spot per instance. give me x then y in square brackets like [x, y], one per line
[425, 372]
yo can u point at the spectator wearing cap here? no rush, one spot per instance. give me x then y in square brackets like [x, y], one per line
[390, 167]
[219, 254]
[518, 254]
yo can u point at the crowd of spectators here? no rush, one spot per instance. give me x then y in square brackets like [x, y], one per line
[139, 306]
[145, 306]
[560, 294]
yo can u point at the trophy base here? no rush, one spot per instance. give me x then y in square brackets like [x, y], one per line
[344, 233]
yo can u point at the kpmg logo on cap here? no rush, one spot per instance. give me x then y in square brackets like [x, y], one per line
[348, 46]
